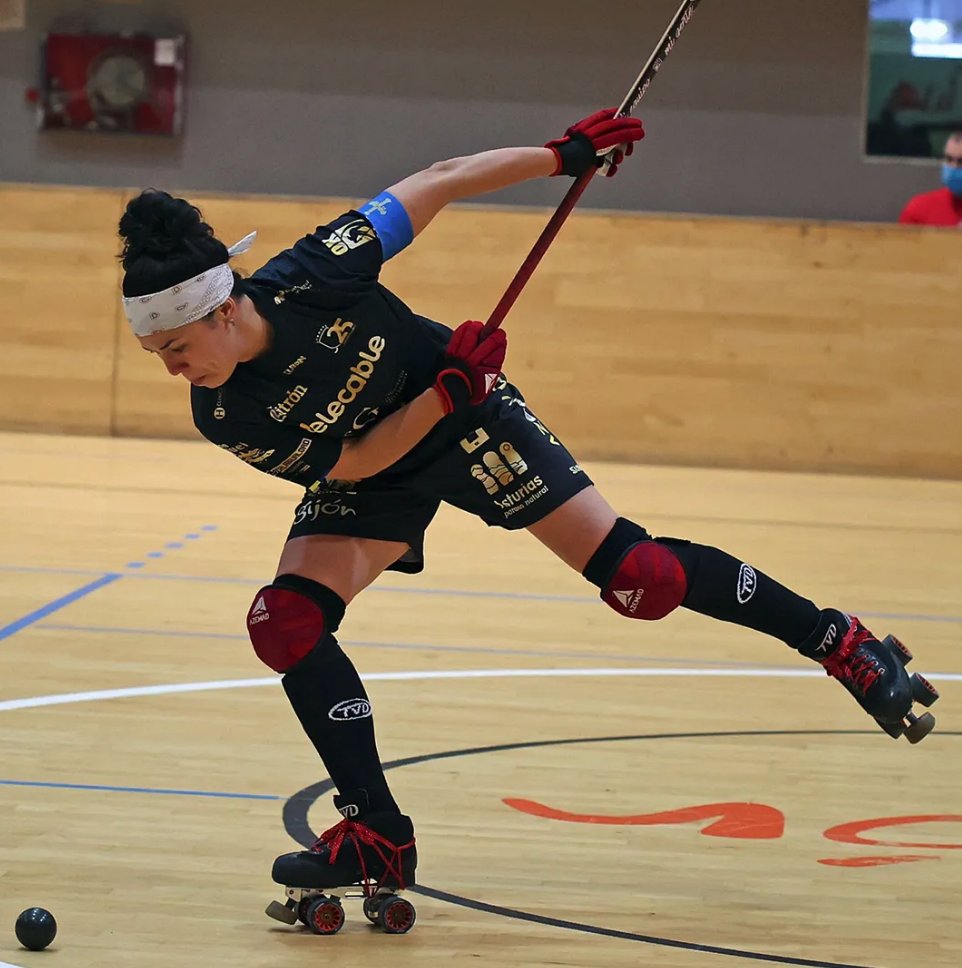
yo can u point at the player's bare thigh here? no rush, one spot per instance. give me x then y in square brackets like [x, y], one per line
[344, 564]
[576, 529]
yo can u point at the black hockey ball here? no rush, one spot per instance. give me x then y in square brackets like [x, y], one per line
[36, 928]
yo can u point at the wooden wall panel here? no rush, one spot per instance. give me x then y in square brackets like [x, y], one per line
[750, 344]
[712, 341]
[58, 308]
[670, 340]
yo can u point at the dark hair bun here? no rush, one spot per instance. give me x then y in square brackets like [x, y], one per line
[159, 225]
[165, 241]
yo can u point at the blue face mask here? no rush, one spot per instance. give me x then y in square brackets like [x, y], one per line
[952, 179]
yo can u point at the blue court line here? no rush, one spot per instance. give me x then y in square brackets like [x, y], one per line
[259, 583]
[449, 592]
[172, 545]
[21, 623]
[457, 592]
[425, 647]
[105, 579]
[123, 789]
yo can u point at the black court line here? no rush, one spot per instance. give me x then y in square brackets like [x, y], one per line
[297, 826]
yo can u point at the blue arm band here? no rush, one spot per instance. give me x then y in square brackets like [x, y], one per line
[391, 223]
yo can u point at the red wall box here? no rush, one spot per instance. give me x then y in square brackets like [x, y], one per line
[130, 83]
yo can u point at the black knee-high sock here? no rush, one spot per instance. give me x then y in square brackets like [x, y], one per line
[725, 588]
[330, 701]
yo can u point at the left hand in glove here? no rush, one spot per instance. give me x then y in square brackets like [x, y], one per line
[471, 366]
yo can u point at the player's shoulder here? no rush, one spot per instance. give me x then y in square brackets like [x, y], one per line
[319, 256]
[347, 232]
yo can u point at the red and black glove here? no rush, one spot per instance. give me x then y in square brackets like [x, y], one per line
[578, 151]
[471, 366]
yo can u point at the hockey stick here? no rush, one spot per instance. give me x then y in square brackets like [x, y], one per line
[637, 91]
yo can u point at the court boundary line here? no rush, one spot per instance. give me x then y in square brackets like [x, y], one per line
[160, 791]
[174, 688]
[558, 653]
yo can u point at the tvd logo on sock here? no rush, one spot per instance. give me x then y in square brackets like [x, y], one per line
[746, 583]
[350, 709]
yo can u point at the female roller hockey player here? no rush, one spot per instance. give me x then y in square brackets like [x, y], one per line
[312, 371]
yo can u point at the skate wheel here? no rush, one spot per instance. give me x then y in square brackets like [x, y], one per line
[396, 915]
[325, 915]
[302, 906]
[920, 727]
[281, 912]
[923, 692]
[905, 657]
[372, 906]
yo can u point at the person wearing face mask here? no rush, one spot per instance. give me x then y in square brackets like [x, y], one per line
[944, 205]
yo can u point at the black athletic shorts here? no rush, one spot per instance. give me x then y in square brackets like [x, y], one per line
[510, 471]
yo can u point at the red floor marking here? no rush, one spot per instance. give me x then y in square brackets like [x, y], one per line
[873, 861]
[850, 833]
[745, 821]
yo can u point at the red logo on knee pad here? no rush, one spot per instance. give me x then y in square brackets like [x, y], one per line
[284, 626]
[649, 583]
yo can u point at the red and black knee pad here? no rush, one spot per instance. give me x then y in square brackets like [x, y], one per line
[292, 617]
[639, 577]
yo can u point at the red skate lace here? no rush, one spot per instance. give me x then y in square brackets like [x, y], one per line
[358, 834]
[862, 669]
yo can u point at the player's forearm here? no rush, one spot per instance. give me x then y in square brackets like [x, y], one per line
[426, 192]
[489, 171]
[389, 439]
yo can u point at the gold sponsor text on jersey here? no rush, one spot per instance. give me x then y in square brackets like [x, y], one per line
[361, 372]
[288, 462]
[284, 293]
[248, 454]
[341, 329]
[521, 493]
[280, 410]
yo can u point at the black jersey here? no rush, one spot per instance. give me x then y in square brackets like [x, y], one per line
[346, 352]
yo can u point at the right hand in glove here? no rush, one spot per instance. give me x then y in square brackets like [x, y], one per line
[471, 366]
[585, 144]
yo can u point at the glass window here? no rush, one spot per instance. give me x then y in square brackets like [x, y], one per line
[914, 98]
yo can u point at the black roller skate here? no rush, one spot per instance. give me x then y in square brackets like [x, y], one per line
[874, 673]
[368, 855]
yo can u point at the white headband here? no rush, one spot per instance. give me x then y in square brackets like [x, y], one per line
[185, 302]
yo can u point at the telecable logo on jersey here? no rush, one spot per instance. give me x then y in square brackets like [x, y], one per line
[360, 374]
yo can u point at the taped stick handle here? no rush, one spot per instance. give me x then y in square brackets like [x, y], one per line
[538, 250]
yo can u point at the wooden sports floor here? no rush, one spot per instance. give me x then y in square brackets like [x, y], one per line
[745, 812]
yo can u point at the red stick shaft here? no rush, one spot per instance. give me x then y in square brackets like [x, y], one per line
[537, 252]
